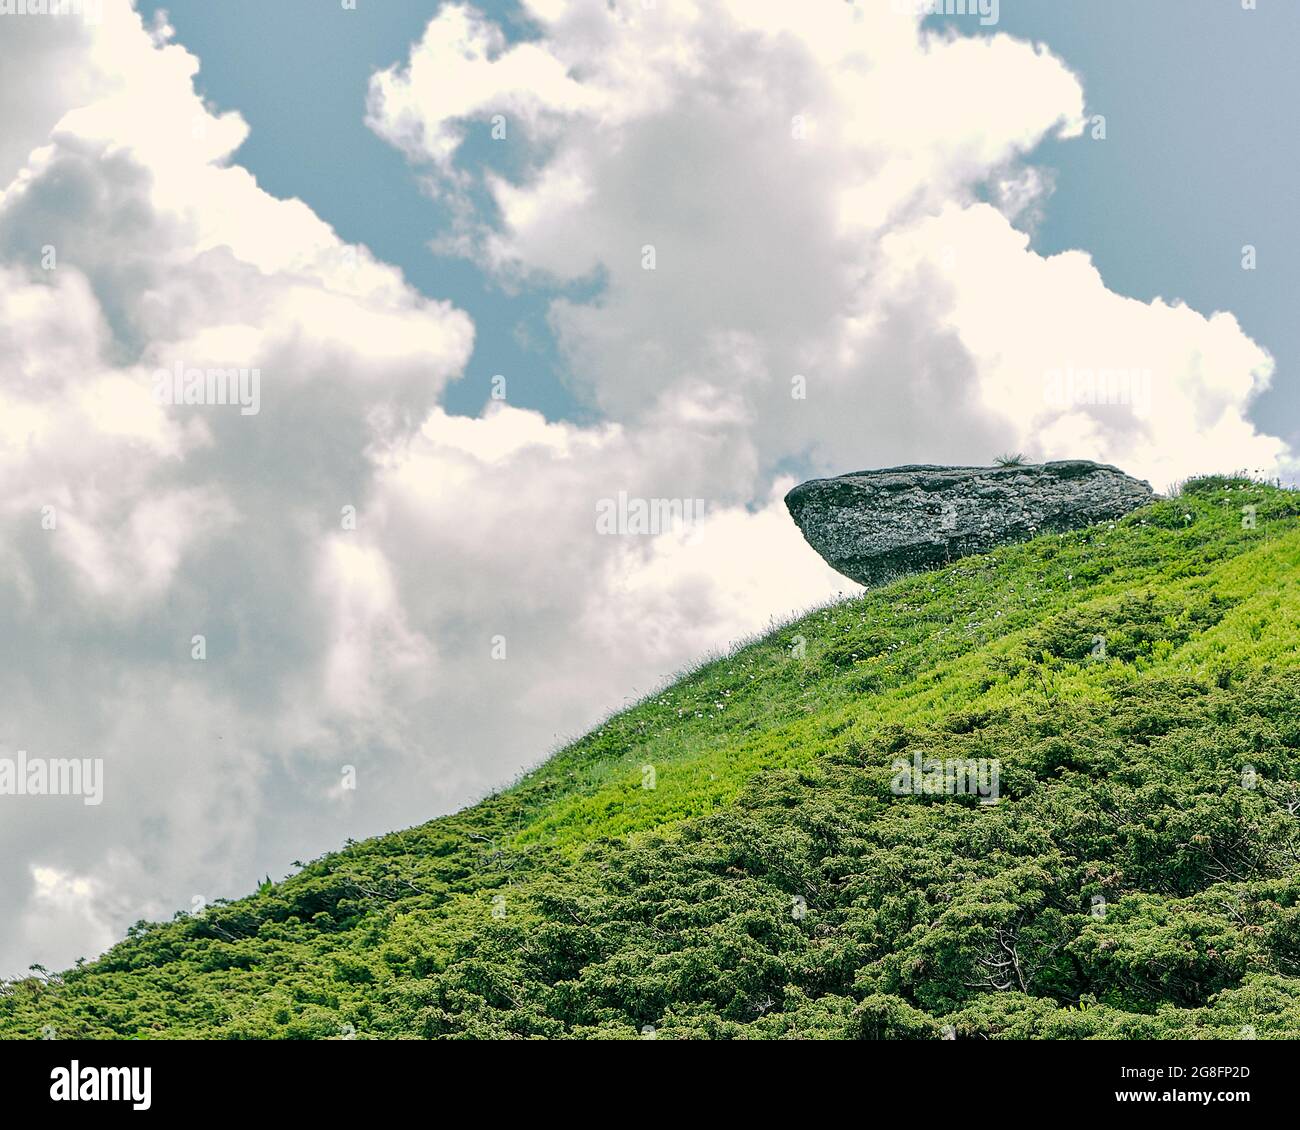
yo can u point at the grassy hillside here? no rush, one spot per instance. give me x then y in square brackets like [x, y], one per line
[1135, 878]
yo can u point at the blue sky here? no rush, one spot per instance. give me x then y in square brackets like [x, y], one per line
[1198, 160]
[298, 70]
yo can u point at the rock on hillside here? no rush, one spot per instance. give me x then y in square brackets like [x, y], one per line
[874, 526]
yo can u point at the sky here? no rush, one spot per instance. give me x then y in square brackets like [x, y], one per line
[489, 273]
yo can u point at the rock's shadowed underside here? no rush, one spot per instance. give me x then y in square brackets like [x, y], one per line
[874, 526]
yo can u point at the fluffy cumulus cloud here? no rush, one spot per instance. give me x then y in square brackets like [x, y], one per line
[239, 610]
[238, 607]
[831, 191]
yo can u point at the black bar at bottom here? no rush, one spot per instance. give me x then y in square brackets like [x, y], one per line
[332, 1077]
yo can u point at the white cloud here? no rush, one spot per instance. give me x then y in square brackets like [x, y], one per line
[62, 907]
[130, 527]
[139, 535]
[1178, 382]
[810, 178]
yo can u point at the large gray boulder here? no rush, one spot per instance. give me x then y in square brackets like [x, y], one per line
[873, 526]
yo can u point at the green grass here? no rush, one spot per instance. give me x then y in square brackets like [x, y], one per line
[771, 884]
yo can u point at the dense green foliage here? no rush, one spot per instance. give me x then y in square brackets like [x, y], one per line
[1138, 684]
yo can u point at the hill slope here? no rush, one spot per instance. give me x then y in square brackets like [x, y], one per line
[1138, 685]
